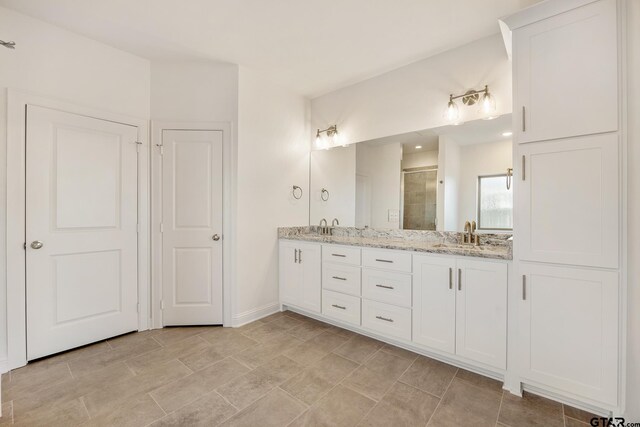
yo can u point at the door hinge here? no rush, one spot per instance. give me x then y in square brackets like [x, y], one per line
[24, 246]
[138, 144]
[160, 148]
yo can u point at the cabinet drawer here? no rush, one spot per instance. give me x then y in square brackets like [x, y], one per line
[386, 319]
[342, 254]
[341, 307]
[388, 260]
[386, 286]
[341, 278]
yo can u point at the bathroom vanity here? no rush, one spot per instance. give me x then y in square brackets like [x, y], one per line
[421, 290]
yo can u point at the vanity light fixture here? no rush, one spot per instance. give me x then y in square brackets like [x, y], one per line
[8, 45]
[471, 97]
[507, 133]
[332, 134]
[418, 147]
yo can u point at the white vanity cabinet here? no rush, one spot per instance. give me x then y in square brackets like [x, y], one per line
[566, 74]
[300, 274]
[460, 307]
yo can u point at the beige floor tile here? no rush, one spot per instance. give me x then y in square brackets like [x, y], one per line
[403, 405]
[578, 414]
[227, 341]
[311, 384]
[340, 407]
[176, 394]
[7, 413]
[328, 341]
[258, 354]
[429, 375]
[201, 359]
[530, 410]
[266, 332]
[209, 410]
[34, 376]
[572, 422]
[306, 353]
[71, 412]
[465, 404]
[112, 395]
[272, 317]
[400, 352]
[275, 409]
[481, 381]
[387, 364]
[308, 329]
[296, 315]
[359, 348]
[132, 339]
[368, 382]
[123, 351]
[139, 410]
[168, 353]
[173, 335]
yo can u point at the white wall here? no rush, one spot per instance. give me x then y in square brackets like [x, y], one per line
[449, 174]
[194, 92]
[335, 170]
[58, 64]
[633, 212]
[491, 158]
[381, 164]
[414, 97]
[273, 155]
[420, 159]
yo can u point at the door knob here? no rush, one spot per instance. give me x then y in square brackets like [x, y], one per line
[37, 244]
[216, 237]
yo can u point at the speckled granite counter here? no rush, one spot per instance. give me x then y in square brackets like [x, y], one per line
[494, 246]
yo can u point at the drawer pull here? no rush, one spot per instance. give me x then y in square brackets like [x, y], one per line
[450, 278]
[339, 278]
[385, 286]
[340, 255]
[384, 260]
[338, 306]
[384, 318]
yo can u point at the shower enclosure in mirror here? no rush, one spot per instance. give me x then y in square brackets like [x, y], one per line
[433, 179]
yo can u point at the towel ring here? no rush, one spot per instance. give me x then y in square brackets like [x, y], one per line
[296, 194]
[324, 194]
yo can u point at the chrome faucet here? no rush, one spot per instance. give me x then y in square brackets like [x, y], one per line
[324, 229]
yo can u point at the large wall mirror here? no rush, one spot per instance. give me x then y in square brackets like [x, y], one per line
[434, 179]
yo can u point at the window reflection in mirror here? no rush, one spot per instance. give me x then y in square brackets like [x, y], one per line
[433, 179]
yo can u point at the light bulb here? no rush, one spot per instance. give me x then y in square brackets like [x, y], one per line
[488, 106]
[452, 114]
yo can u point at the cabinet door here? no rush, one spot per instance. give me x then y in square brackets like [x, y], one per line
[569, 329]
[310, 263]
[566, 74]
[290, 273]
[481, 312]
[568, 206]
[434, 302]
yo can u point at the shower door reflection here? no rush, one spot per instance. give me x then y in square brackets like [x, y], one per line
[419, 206]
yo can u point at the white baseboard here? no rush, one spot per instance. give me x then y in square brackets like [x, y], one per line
[255, 314]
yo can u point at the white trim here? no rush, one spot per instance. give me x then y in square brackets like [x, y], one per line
[15, 274]
[540, 11]
[228, 221]
[255, 314]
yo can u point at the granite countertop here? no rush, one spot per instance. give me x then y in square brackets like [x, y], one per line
[426, 242]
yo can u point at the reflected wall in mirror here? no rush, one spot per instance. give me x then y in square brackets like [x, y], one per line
[434, 179]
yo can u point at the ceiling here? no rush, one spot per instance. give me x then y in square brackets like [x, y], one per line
[311, 47]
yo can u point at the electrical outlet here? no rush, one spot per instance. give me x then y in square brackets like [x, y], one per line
[393, 215]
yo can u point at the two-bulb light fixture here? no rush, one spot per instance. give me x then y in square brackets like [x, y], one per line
[332, 138]
[481, 97]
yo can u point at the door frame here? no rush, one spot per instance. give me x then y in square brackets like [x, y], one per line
[157, 127]
[17, 102]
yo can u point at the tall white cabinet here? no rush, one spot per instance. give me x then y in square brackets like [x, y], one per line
[568, 224]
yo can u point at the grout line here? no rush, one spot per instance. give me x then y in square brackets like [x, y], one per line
[500, 408]
[130, 368]
[227, 400]
[182, 363]
[305, 404]
[83, 404]
[70, 373]
[442, 398]
[156, 402]
[242, 363]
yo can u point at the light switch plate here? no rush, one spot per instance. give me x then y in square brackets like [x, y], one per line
[393, 215]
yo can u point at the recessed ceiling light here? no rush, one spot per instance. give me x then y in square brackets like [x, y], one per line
[507, 133]
[418, 147]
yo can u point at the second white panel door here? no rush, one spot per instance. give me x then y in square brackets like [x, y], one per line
[192, 227]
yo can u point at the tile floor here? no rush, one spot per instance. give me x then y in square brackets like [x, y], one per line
[284, 370]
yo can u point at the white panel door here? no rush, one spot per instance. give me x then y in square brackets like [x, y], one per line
[568, 202]
[567, 74]
[481, 312]
[191, 227]
[434, 302]
[81, 230]
[569, 329]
